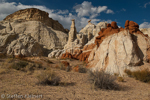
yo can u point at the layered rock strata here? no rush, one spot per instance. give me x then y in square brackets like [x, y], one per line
[35, 22]
[33, 14]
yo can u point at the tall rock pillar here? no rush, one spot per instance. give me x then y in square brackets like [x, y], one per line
[72, 32]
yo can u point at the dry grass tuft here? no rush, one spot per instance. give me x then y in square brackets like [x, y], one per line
[48, 77]
[102, 80]
[19, 65]
[120, 79]
[143, 75]
[82, 69]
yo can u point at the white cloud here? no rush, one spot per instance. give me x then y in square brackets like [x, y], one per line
[63, 16]
[2, 0]
[148, 3]
[109, 11]
[145, 25]
[87, 9]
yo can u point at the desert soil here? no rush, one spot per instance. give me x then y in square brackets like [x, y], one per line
[75, 85]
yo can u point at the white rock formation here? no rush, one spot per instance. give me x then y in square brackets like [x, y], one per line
[118, 52]
[46, 36]
[146, 31]
[85, 36]
[94, 29]
[19, 45]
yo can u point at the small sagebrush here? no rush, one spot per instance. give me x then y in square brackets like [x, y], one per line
[48, 78]
[19, 65]
[120, 79]
[82, 69]
[62, 66]
[102, 80]
[68, 68]
[142, 75]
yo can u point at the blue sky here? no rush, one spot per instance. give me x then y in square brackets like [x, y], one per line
[82, 11]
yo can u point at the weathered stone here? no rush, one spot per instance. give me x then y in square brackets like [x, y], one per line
[33, 14]
[146, 31]
[72, 32]
[24, 46]
[65, 63]
[116, 53]
[85, 41]
[119, 49]
[48, 37]
[105, 32]
[8, 27]
[52, 54]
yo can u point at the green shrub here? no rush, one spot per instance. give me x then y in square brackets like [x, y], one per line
[82, 69]
[47, 60]
[18, 65]
[62, 66]
[68, 68]
[143, 75]
[128, 72]
[48, 78]
[120, 79]
[102, 80]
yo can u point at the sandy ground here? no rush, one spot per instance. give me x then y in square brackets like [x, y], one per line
[14, 84]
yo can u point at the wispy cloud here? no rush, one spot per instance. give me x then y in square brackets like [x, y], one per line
[122, 10]
[145, 5]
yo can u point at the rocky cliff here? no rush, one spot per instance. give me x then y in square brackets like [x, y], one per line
[146, 31]
[19, 45]
[113, 49]
[118, 49]
[80, 44]
[33, 14]
[36, 24]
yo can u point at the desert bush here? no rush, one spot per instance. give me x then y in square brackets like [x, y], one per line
[30, 67]
[48, 78]
[120, 79]
[142, 75]
[47, 60]
[116, 74]
[56, 66]
[9, 60]
[82, 69]
[18, 65]
[3, 71]
[128, 72]
[102, 80]
[68, 68]
[62, 66]
[2, 56]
